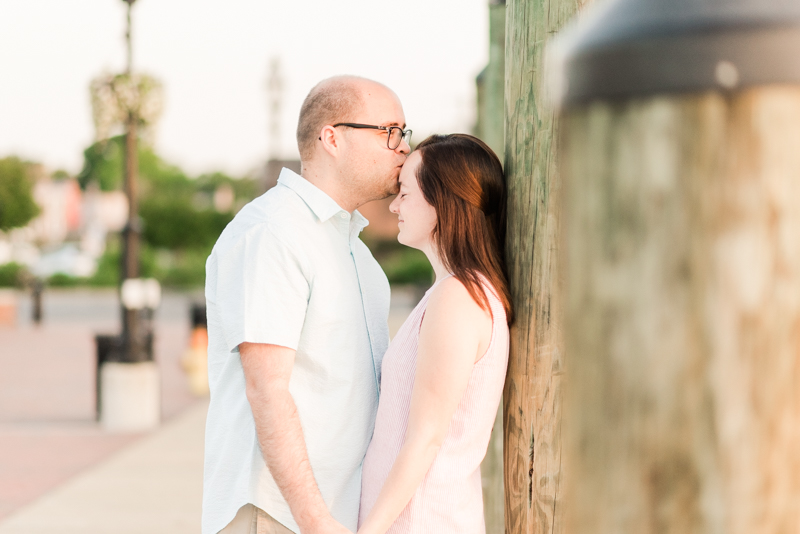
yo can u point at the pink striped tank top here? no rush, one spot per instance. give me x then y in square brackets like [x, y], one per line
[449, 499]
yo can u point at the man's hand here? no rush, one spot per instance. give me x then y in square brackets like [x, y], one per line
[267, 369]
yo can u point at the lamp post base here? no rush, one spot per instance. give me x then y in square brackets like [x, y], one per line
[130, 396]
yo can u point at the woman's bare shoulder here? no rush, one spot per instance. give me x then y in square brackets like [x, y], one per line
[452, 302]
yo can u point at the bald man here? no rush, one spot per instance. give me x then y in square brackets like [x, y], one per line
[297, 325]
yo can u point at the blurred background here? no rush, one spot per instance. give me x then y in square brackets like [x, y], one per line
[218, 87]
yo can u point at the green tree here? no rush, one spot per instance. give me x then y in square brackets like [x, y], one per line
[180, 222]
[102, 164]
[17, 206]
[175, 224]
[244, 189]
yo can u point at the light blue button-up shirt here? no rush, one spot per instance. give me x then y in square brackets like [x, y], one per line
[290, 270]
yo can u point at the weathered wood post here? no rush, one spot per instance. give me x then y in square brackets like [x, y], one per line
[681, 165]
[490, 127]
[532, 397]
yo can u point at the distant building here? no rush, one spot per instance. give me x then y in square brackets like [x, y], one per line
[272, 170]
[382, 222]
[104, 212]
[60, 201]
[69, 234]
[224, 198]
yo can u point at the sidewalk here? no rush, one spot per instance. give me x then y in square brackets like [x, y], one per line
[60, 472]
[153, 486]
[48, 432]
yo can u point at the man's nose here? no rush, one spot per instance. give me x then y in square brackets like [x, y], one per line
[404, 147]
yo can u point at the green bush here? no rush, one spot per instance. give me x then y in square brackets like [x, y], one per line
[107, 273]
[407, 266]
[65, 280]
[12, 274]
[17, 206]
[109, 265]
[176, 224]
[188, 270]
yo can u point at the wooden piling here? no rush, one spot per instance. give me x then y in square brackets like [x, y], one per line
[490, 128]
[532, 398]
[681, 260]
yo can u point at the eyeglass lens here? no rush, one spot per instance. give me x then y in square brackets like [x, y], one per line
[396, 135]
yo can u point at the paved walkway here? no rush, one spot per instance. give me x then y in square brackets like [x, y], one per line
[48, 432]
[153, 486]
[59, 471]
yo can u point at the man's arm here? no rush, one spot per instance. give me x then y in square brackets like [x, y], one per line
[267, 369]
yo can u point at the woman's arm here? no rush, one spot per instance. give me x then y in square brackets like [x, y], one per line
[453, 332]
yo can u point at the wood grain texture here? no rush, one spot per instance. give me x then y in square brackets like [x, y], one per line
[492, 479]
[682, 283]
[532, 397]
[491, 111]
[491, 120]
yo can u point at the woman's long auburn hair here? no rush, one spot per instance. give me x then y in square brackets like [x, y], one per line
[462, 178]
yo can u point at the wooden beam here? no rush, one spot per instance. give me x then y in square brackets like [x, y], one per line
[532, 398]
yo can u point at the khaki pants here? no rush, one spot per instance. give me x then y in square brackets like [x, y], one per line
[252, 520]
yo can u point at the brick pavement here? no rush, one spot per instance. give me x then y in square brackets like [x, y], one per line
[47, 390]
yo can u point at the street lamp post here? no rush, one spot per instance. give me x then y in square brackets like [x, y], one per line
[128, 378]
[134, 337]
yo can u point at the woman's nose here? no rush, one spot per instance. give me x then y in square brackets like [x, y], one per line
[393, 205]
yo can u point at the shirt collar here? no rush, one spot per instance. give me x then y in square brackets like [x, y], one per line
[359, 220]
[323, 206]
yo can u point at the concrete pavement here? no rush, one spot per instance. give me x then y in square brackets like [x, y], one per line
[152, 486]
[48, 432]
[59, 471]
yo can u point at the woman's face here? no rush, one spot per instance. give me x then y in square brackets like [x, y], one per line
[417, 218]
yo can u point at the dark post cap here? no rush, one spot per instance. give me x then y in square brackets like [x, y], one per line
[628, 48]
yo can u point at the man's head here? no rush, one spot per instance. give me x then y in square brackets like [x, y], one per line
[358, 159]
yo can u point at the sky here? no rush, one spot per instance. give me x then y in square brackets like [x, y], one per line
[213, 56]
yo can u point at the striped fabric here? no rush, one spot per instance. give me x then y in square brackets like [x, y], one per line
[449, 499]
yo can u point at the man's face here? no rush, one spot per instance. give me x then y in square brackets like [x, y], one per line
[371, 167]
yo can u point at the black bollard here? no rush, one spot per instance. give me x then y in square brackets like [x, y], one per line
[37, 288]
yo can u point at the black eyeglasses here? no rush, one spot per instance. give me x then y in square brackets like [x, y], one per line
[396, 134]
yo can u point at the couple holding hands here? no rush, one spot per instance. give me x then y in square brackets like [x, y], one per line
[317, 424]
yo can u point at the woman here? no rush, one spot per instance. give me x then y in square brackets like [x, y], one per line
[443, 375]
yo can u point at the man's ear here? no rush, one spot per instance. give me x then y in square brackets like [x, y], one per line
[328, 136]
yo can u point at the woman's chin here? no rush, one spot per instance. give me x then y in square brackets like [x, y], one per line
[403, 241]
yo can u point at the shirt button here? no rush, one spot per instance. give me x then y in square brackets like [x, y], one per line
[343, 215]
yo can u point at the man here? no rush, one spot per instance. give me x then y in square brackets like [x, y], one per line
[297, 322]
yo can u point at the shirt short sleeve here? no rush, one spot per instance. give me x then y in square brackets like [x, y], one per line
[262, 290]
